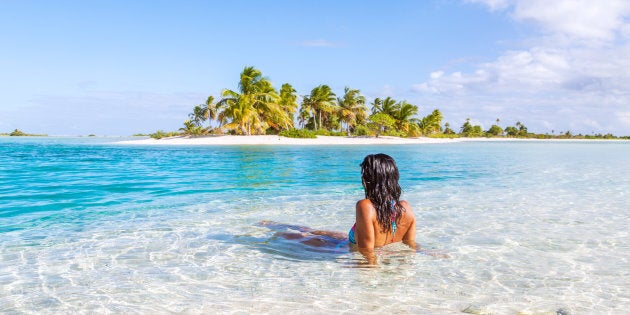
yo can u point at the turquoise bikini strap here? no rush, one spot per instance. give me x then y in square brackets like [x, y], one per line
[393, 216]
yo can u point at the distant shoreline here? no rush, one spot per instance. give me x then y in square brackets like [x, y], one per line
[323, 140]
[279, 140]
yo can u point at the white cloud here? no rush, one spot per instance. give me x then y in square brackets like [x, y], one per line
[437, 74]
[586, 19]
[624, 117]
[575, 18]
[578, 61]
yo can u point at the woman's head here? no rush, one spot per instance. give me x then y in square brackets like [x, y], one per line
[379, 174]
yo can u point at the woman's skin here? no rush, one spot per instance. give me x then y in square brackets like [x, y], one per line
[369, 234]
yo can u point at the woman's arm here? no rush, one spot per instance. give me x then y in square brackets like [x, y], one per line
[410, 236]
[364, 230]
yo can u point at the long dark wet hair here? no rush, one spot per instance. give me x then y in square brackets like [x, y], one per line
[379, 174]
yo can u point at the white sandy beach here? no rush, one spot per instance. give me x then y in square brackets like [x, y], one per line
[320, 140]
[278, 140]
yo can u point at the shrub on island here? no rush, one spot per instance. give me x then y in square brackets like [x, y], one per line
[444, 135]
[162, 134]
[362, 131]
[17, 133]
[324, 132]
[298, 133]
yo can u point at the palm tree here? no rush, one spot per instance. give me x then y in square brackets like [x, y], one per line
[214, 110]
[351, 108]
[288, 100]
[432, 123]
[192, 129]
[198, 115]
[402, 113]
[448, 130]
[238, 108]
[387, 106]
[377, 104]
[254, 106]
[306, 112]
[320, 103]
[271, 112]
[522, 130]
[404, 117]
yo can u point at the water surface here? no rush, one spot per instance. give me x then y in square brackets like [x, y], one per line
[87, 225]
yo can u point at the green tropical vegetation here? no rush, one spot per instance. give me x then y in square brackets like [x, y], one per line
[298, 133]
[317, 109]
[163, 134]
[19, 133]
[256, 107]
[381, 123]
[351, 109]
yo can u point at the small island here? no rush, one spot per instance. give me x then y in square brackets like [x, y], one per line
[19, 133]
[258, 108]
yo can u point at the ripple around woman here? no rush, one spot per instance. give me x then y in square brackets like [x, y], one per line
[381, 218]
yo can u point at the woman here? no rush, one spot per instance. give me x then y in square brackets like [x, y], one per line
[381, 218]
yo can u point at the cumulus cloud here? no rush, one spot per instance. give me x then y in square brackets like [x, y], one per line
[437, 74]
[579, 59]
[587, 19]
[600, 20]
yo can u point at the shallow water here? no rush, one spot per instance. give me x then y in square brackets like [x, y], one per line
[87, 225]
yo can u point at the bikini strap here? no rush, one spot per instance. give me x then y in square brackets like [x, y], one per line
[393, 217]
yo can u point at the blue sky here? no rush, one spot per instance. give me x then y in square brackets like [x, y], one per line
[124, 67]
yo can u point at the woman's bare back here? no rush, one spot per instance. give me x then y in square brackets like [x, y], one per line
[369, 233]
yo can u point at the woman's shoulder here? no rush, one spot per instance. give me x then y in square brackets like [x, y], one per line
[365, 208]
[405, 204]
[367, 204]
[408, 210]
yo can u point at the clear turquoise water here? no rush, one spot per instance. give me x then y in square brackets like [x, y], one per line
[87, 225]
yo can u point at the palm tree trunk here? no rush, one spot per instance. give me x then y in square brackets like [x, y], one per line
[320, 120]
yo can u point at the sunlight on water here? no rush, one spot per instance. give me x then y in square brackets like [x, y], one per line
[90, 226]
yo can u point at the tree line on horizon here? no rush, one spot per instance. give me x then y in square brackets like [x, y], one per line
[257, 108]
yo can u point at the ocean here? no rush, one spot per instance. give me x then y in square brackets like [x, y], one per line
[91, 226]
